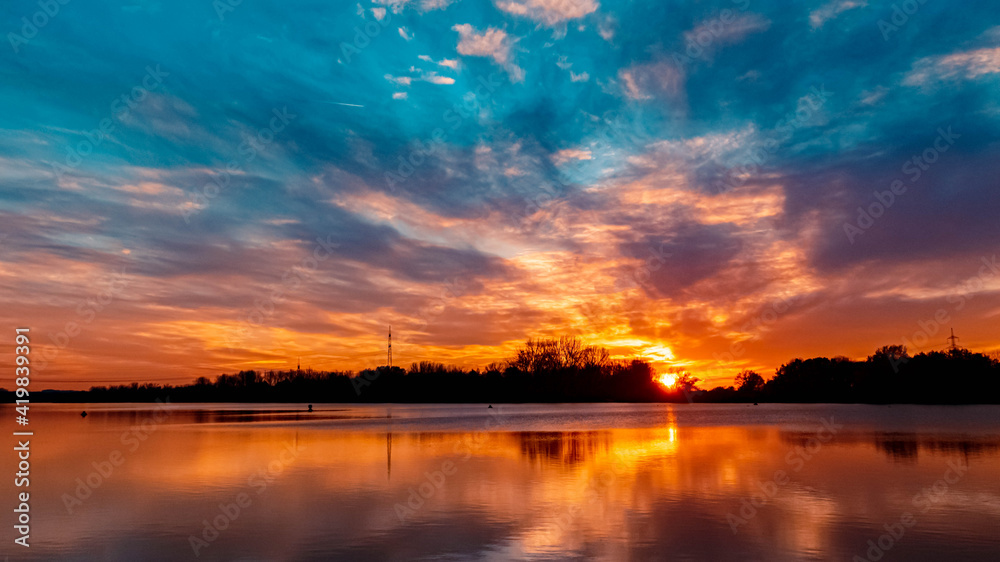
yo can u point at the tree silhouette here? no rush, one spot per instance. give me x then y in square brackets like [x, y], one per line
[565, 370]
[749, 382]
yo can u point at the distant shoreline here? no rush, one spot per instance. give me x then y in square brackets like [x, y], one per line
[565, 371]
[81, 397]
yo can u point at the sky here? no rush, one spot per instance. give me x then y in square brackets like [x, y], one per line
[191, 188]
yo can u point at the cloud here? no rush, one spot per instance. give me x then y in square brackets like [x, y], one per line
[401, 80]
[821, 15]
[682, 255]
[428, 5]
[420, 76]
[447, 63]
[166, 115]
[549, 12]
[405, 34]
[567, 154]
[713, 33]
[564, 64]
[874, 96]
[435, 78]
[607, 28]
[398, 6]
[646, 81]
[493, 43]
[968, 65]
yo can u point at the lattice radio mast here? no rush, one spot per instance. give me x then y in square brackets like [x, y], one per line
[953, 339]
[389, 352]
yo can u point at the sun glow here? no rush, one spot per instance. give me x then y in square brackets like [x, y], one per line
[659, 353]
[668, 380]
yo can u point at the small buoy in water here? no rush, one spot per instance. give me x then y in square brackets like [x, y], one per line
[491, 405]
[83, 414]
[310, 407]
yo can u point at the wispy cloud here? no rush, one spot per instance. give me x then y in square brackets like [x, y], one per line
[646, 81]
[819, 16]
[714, 33]
[492, 43]
[447, 63]
[549, 12]
[568, 154]
[968, 65]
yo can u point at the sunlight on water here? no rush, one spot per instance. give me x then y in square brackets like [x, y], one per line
[460, 482]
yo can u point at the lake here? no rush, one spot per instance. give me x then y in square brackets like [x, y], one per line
[515, 482]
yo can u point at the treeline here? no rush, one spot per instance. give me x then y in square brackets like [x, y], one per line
[889, 376]
[564, 370]
[543, 370]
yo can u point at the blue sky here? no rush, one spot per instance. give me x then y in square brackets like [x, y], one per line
[652, 176]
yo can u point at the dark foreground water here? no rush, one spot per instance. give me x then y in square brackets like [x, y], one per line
[524, 482]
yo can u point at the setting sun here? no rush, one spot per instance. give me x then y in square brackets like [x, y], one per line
[668, 380]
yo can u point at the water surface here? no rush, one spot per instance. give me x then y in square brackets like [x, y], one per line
[527, 482]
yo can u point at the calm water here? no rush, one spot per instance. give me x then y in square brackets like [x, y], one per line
[529, 482]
